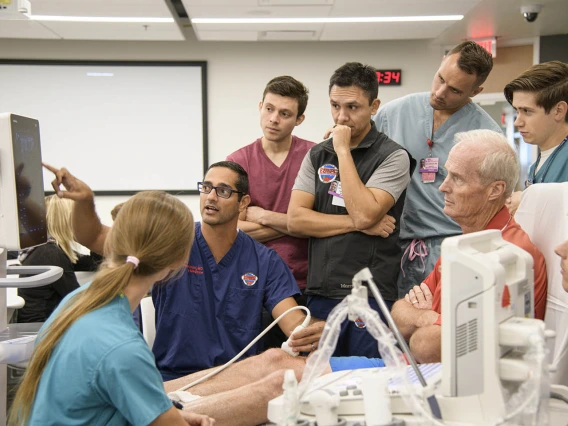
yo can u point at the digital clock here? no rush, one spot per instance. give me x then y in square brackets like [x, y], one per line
[389, 77]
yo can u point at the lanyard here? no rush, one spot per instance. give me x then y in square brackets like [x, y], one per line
[545, 167]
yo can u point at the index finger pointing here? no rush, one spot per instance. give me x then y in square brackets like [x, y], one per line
[50, 168]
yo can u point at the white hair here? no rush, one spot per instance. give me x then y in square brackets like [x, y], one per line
[499, 161]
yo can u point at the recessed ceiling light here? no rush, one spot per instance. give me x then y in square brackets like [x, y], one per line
[111, 19]
[259, 12]
[100, 74]
[363, 19]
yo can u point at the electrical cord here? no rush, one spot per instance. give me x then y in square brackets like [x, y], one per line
[241, 353]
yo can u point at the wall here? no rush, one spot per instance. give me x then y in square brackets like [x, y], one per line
[237, 74]
[509, 63]
[554, 48]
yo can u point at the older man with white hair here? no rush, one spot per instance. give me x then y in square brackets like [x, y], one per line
[482, 171]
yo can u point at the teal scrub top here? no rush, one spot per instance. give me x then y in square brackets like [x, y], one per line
[101, 372]
[554, 169]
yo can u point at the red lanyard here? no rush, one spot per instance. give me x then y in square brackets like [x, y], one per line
[430, 143]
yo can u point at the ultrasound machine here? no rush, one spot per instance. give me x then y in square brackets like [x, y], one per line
[494, 368]
[22, 225]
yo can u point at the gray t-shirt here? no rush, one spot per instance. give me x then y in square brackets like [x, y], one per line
[408, 121]
[391, 176]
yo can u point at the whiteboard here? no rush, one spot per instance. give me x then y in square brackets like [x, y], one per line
[121, 127]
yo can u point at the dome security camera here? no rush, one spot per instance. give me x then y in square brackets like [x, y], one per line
[531, 11]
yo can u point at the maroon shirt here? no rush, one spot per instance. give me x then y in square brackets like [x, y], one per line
[270, 188]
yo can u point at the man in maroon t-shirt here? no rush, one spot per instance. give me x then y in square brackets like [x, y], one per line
[272, 163]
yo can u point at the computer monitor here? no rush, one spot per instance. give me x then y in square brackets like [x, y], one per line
[22, 219]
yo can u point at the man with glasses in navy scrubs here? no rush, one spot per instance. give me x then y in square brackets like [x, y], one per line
[214, 309]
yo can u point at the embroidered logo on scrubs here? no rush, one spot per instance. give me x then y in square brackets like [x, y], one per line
[359, 323]
[328, 173]
[194, 269]
[249, 279]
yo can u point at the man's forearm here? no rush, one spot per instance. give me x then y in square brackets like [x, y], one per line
[278, 221]
[289, 323]
[260, 233]
[87, 226]
[409, 319]
[310, 223]
[426, 344]
[359, 200]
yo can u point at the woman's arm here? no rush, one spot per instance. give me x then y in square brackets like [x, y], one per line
[175, 417]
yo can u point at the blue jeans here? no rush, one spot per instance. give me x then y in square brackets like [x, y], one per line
[354, 363]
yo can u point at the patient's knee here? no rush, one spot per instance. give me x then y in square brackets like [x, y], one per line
[275, 380]
[276, 358]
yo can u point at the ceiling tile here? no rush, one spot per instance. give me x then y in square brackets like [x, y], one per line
[113, 31]
[25, 29]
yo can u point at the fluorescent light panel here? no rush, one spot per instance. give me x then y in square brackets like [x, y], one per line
[364, 19]
[110, 19]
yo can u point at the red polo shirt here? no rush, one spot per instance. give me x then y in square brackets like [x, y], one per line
[515, 235]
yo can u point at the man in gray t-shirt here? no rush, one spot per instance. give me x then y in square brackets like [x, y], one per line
[425, 124]
[392, 177]
[345, 187]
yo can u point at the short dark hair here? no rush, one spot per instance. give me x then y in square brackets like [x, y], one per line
[242, 183]
[289, 87]
[474, 60]
[359, 75]
[549, 81]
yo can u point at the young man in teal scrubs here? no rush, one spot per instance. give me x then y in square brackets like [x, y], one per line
[540, 97]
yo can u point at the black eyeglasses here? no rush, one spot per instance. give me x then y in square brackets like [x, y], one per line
[222, 191]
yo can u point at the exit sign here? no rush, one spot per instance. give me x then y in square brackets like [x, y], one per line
[489, 44]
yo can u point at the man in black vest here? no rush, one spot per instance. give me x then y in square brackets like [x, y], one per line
[343, 192]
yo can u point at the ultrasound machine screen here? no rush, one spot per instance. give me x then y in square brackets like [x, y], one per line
[25, 152]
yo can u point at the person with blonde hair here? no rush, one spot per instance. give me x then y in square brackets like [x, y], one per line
[91, 365]
[60, 250]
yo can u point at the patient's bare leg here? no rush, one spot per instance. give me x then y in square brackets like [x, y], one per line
[245, 406]
[241, 373]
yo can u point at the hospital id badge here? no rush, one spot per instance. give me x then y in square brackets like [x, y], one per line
[428, 169]
[337, 193]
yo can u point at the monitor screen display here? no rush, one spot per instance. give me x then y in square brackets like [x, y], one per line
[29, 181]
